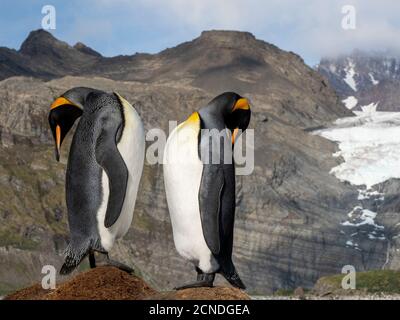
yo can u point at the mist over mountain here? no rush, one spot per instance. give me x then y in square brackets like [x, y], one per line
[365, 78]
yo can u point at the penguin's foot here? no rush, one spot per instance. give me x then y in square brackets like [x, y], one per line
[92, 260]
[203, 280]
[120, 266]
[116, 264]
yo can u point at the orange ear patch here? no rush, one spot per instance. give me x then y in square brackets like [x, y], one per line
[242, 103]
[59, 102]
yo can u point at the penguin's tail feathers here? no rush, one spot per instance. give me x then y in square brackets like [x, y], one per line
[232, 277]
[75, 254]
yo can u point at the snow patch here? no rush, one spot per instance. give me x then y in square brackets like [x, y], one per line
[363, 220]
[350, 73]
[366, 217]
[372, 237]
[352, 244]
[364, 194]
[350, 102]
[373, 80]
[370, 108]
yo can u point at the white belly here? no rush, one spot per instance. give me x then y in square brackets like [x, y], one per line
[132, 148]
[182, 177]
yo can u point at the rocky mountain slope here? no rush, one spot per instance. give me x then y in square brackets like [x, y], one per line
[216, 61]
[289, 210]
[365, 78]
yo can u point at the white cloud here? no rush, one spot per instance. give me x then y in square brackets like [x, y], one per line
[309, 27]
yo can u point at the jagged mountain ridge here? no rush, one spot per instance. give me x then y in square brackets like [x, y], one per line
[216, 61]
[43, 56]
[368, 78]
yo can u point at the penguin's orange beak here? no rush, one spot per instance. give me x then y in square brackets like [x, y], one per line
[58, 142]
[234, 135]
[57, 103]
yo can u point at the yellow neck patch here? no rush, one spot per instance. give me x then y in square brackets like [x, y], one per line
[194, 117]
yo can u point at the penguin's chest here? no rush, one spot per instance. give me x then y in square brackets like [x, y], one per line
[131, 147]
[182, 172]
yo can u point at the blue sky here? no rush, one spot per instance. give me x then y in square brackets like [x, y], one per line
[311, 28]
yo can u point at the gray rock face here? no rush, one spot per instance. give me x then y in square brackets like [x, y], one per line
[376, 78]
[288, 210]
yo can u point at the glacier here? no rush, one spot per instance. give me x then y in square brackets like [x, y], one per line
[369, 144]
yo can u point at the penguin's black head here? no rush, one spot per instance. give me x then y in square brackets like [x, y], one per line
[235, 111]
[63, 113]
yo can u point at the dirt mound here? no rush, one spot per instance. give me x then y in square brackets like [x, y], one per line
[35, 292]
[102, 283]
[216, 293]
[109, 283]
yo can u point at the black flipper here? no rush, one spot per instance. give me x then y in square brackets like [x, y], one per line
[217, 207]
[212, 183]
[108, 156]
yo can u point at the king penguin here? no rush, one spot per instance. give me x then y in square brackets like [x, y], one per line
[200, 187]
[104, 168]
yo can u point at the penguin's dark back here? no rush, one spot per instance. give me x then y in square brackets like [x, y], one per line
[84, 174]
